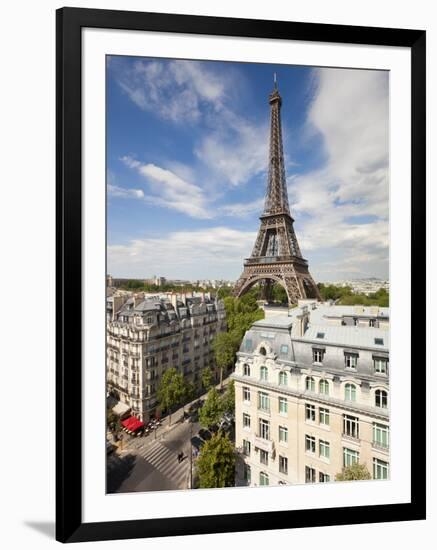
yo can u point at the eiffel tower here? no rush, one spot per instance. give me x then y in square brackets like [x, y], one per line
[276, 256]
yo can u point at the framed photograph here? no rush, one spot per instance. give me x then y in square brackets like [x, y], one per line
[240, 234]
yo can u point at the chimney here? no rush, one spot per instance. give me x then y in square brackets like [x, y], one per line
[302, 319]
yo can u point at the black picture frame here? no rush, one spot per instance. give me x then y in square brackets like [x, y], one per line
[70, 22]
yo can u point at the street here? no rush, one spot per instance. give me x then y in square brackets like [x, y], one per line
[148, 464]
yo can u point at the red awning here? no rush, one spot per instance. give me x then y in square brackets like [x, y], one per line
[132, 424]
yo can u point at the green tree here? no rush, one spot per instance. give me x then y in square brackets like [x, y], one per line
[207, 378]
[212, 410]
[225, 346]
[279, 294]
[353, 472]
[216, 462]
[112, 421]
[171, 390]
[228, 399]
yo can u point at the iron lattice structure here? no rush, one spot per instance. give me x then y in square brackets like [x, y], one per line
[276, 256]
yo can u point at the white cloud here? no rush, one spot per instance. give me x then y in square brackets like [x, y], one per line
[175, 90]
[244, 209]
[350, 111]
[171, 191]
[232, 148]
[116, 191]
[208, 253]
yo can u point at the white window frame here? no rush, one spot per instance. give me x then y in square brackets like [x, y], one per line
[326, 452]
[350, 360]
[246, 421]
[381, 398]
[283, 403]
[283, 461]
[283, 376]
[323, 412]
[263, 401]
[380, 466]
[246, 394]
[263, 373]
[310, 444]
[381, 432]
[325, 384]
[350, 456]
[264, 429]
[351, 426]
[350, 389]
[283, 434]
[309, 381]
[310, 412]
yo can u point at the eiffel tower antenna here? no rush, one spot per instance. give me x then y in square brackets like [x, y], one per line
[276, 256]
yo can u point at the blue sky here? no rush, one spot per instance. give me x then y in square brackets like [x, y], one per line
[187, 149]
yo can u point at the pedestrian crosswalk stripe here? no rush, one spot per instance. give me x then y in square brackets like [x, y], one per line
[166, 462]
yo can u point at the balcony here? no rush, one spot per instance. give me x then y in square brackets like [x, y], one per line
[263, 444]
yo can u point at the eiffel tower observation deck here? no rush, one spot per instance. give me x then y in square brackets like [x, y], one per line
[276, 256]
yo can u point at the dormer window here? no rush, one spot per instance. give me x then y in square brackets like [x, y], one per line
[263, 374]
[350, 360]
[262, 350]
[380, 365]
[318, 355]
[246, 370]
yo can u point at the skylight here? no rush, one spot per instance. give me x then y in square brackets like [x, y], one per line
[320, 335]
[379, 341]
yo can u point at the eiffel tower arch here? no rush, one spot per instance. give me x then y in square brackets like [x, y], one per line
[276, 255]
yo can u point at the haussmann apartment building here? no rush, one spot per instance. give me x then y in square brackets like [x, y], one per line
[312, 395]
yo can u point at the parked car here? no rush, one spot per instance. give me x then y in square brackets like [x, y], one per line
[196, 442]
[205, 434]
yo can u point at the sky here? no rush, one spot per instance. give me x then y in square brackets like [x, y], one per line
[187, 154]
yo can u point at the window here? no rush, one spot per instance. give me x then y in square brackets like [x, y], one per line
[246, 421]
[246, 394]
[350, 457]
[283, 464]
[310, 475]
[283, 434]
[381, 399]
[380, 435]
[318, 355]
[284, 349]
[310, 383]
[324, 478]
[246, 370]
[379, 342]
[324, 416]
[264, 457]
[350, 360]
[282, 378]
[310, 444]
[324, 387]
[263, 351]
[263, 479]
[263, 401]
[350, 392]
[264, 428]
[380, 365]
[380, 469]
[247, 473]
[320, 335]
[263, 373]
[324, 449]
[246, 447]
[283, 405]
[372, 322]
[310, 413]
[351, 426]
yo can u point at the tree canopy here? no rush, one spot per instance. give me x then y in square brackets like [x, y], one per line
[207, 378]
[344, 296]
[172, 390]
[216, 462]
[228, 399]
[212, 410]
[353, 472]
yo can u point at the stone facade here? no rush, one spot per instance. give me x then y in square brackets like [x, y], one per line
[147, 335]
[312, 395]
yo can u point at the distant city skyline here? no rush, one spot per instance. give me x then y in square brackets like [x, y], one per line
[187, 149]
